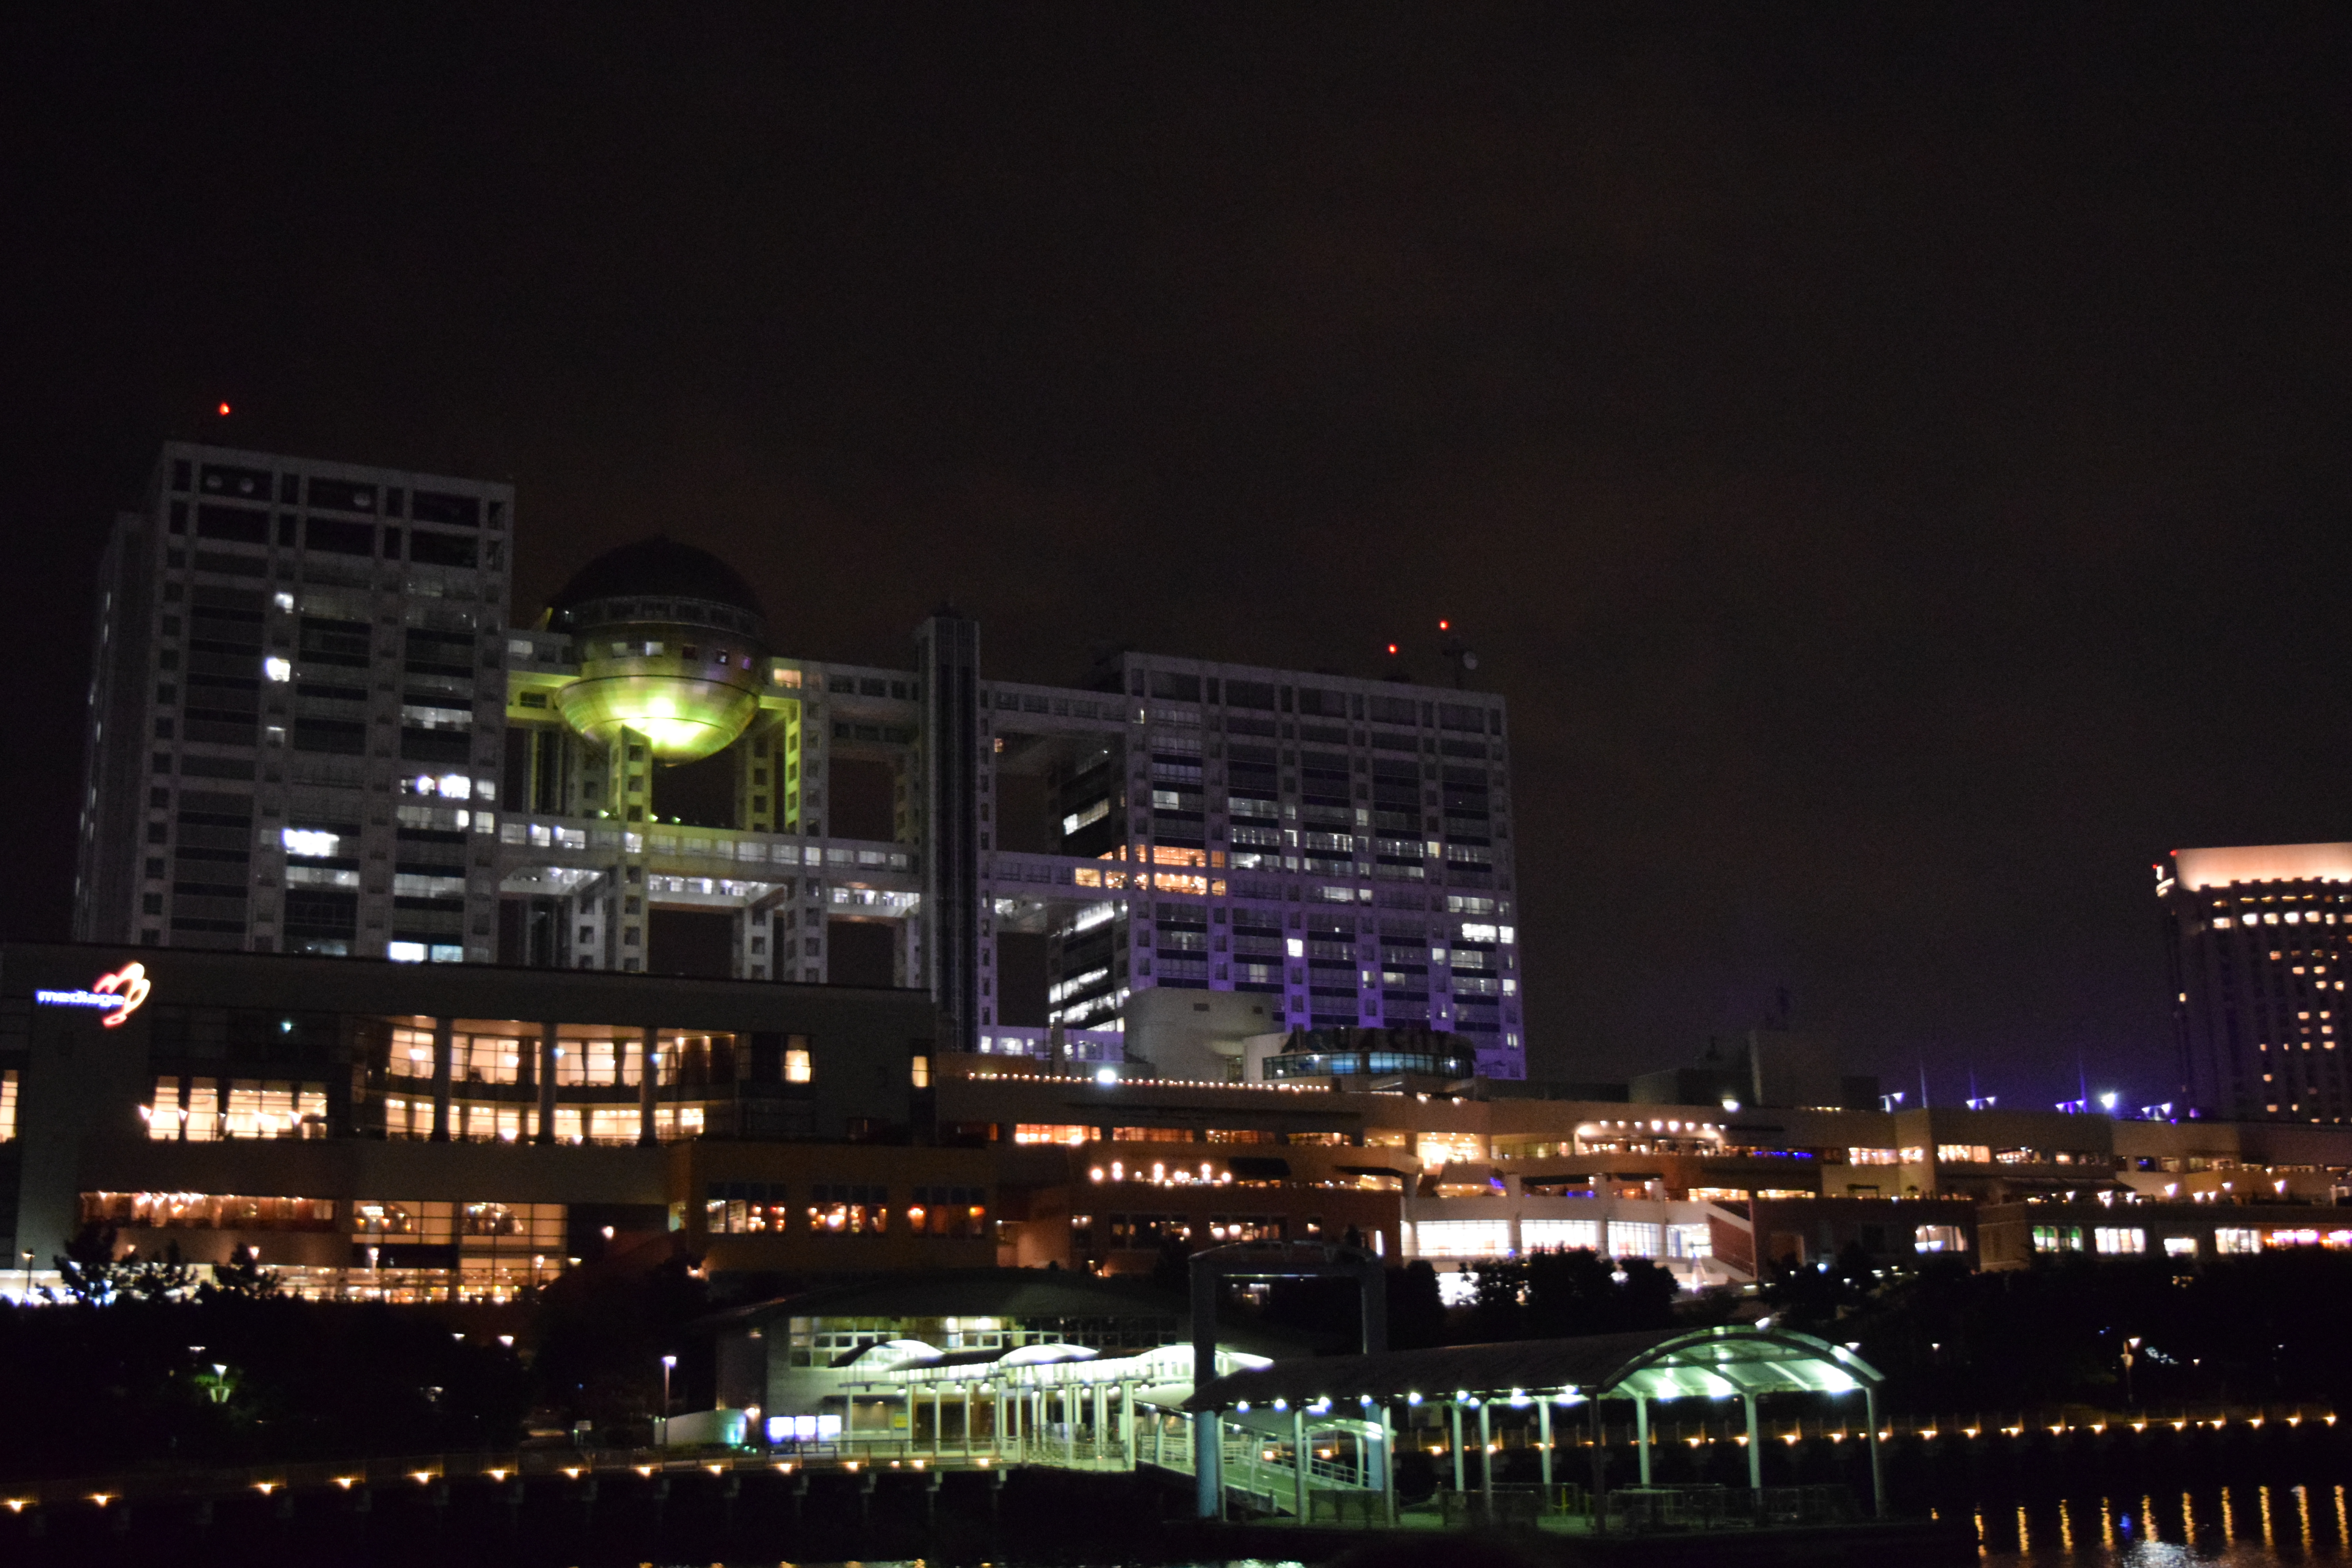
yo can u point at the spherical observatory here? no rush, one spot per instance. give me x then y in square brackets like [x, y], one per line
[671, 645]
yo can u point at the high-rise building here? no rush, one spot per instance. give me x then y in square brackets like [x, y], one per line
[2258, 942]
[315, 730]
[295, 711]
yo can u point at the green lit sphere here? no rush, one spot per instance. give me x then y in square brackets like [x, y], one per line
[671, 645]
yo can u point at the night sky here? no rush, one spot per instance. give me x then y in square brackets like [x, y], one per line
[1893, 459]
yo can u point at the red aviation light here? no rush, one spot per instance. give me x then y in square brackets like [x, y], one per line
[224, 410]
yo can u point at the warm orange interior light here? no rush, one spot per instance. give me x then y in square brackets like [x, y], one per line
[224, 410]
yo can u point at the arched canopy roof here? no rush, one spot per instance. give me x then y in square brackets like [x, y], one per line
[1678, 1363]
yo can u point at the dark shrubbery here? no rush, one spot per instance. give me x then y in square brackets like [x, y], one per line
[2246, 1330]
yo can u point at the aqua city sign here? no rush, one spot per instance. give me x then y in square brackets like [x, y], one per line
[118, 994]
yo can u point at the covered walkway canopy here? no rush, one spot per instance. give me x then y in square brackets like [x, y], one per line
[1726, 1362]
[1670, 1364]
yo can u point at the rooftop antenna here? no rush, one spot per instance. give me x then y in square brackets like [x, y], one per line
[1456, 653]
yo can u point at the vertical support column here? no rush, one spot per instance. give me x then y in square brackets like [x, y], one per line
[1877, 1474]
[1641, 1434]
[631, 786]
[938, 1418]
[1755, 1446]
[1217, 1446]
[1543, 1441]
[949, 646]
[967, 1418]
[547, 1059]
[1208, 1485]
[1388, 1467]
[648, 1071]
[1298, 1463]
[1486, 1458]
[1460, 1483]
[996, 1424]
[1599, 1463]
[442, 1045]
[1127, 1423]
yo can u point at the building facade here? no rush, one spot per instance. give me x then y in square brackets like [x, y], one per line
[427, 1130]
[2257, 943]
[315, 729]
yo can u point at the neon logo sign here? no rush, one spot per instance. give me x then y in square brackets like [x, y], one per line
[119, 993]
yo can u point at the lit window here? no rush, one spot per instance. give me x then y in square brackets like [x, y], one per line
[405, 952]
[796, 1066]
[920, 1071]
[277, 669]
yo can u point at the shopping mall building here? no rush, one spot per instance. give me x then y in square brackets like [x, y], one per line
[404, 1132]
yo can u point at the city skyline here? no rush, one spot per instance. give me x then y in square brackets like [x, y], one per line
[1893, 518]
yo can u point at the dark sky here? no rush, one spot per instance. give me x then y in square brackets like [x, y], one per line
[1894, 459]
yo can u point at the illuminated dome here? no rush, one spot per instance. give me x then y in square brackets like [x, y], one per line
[670, 642]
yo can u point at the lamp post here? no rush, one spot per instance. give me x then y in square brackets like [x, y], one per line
[669, 1362]
[27, 1297]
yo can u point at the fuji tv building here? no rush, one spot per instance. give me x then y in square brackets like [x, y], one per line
[319, 729]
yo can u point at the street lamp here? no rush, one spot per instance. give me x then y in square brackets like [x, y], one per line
[668, 1362]
[27, 1297]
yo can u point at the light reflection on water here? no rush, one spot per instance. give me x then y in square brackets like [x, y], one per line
[2227, 1526]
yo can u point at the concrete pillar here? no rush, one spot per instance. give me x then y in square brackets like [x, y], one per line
[938, 1418]
[1298, 1462]
[967, 1418]
[1388, 1467]
[1102, 1415]
[1599, 1463]
[996, 1423]
[1460, 1484]
[1641, 1434]
[1543, 1441]
[547, 1048]
[649, 1070]
[441, 1049]
[1877, 1474]
[1755, 1446]
[1486, 1457]
[1127, 1422]
[1208, 1487]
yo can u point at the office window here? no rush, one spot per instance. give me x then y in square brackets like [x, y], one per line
[796, 1066]
[848, 1209]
